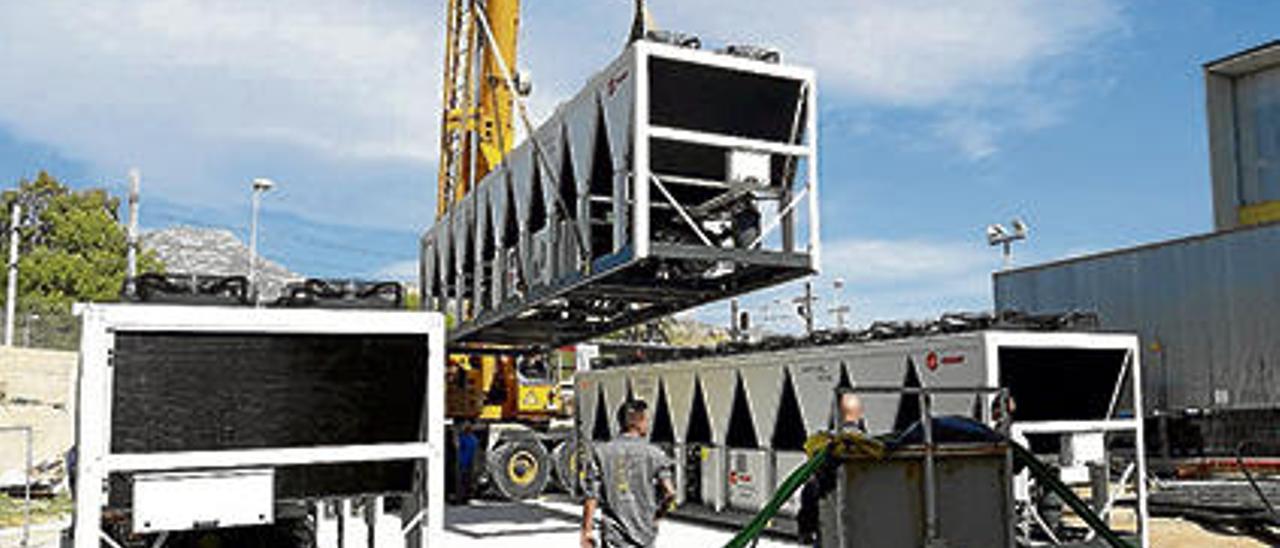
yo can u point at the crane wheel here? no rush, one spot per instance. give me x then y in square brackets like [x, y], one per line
[519, 469]
[565, 457]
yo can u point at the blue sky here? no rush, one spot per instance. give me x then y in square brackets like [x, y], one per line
[1084, 117]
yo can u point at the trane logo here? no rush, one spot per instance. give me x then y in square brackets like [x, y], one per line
[616, 82]
[933, 361]
[736, 478]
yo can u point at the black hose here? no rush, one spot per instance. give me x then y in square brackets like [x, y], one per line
[1275, 518]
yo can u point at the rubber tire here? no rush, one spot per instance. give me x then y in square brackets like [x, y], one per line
[566, 462]
[518, 454]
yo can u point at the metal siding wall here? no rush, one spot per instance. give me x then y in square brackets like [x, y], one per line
[1205, 309]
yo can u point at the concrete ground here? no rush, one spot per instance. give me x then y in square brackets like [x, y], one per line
[554, 522]
[485, 524]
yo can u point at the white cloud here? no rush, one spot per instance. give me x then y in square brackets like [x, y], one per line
[885, 279]
[405, 271]
[890, 279]
[984, 67]
[340, 99]
[884, 261]
[197, 92]
[973, 136]
[909, 52]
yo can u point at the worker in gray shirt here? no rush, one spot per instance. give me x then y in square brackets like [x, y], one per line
[629, 481]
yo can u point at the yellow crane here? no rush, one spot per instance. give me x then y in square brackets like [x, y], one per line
[476, 129]
[513, 399]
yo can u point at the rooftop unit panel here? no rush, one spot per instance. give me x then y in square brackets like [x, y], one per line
[676, 177]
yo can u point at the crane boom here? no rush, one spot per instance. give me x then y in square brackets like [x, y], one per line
[476, 129]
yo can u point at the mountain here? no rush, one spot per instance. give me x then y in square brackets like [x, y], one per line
[213, 251]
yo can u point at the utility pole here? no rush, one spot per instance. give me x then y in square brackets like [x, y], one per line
[11, 296]
[734, 324]
[804, 307]
[135, 186]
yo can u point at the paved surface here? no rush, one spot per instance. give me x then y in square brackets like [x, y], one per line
[484, 524]
[554, 523]
[43, 535]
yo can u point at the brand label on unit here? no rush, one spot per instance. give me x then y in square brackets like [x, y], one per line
[933, 360]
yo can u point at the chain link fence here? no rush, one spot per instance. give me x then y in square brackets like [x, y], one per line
[47, 329]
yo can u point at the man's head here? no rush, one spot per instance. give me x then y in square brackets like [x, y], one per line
[850, 407]
[633, 417]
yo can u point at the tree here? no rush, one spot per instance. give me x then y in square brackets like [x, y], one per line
[72, 247]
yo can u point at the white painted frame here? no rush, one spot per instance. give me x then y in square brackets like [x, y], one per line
[643, 175]
[1128, 343]
[96, 461]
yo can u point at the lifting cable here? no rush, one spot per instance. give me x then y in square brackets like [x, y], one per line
[539, 154]
[748, 535]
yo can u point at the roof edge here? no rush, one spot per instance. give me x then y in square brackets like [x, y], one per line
[1231, 63]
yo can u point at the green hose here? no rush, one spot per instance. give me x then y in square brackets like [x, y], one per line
[1044, 474]
[1020, 453]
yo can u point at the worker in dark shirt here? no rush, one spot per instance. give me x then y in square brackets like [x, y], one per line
[630, 481]
[851, 421]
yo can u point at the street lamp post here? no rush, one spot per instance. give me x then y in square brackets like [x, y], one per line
[11, 298]
[839, 309]
[998, 235]
[260, 186]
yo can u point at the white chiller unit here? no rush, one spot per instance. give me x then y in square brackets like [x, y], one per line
[202, 417]
[750, 413]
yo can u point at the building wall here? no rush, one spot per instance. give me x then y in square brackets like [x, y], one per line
[37, 389]
[1207, 310]
[1242, 95]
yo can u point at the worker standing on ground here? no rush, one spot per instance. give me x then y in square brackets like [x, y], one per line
[467, 446]
[629, 481]
[851, 421]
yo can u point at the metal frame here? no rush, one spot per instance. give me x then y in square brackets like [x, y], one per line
[547, 286]
[96, 461]
[1132, 365]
